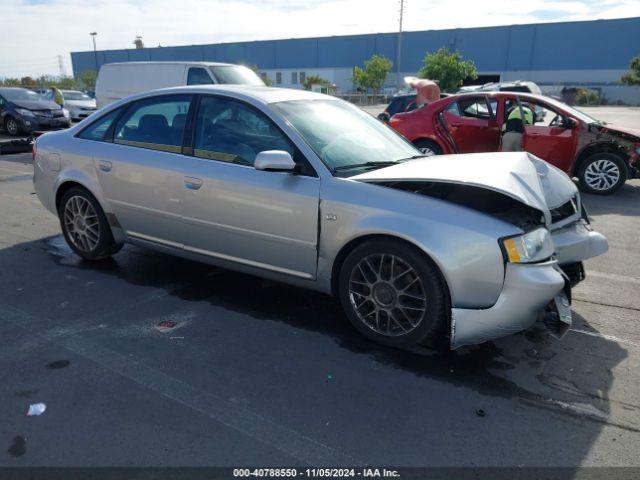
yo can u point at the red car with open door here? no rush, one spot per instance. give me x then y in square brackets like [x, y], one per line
[601, 155]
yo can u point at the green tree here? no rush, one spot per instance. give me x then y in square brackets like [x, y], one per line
[11, 82]
[314, 80]
[448, 69]
[633, 76]
[373, 75]
[88, 79]
[27, 82]
[66, 83]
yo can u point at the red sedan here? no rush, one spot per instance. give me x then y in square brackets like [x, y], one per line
[601, 155]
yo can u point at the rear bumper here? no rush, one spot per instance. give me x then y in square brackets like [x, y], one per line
[527, 290]
[577, 242]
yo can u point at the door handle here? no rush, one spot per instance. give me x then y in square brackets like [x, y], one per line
[104, 165]
[192, 183]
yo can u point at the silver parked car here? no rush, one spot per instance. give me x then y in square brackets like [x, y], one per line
[307, 189]
[79, 104]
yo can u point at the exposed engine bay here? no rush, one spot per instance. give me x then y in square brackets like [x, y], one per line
[477, 198]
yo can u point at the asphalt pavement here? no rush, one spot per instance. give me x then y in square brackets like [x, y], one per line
[148, 359]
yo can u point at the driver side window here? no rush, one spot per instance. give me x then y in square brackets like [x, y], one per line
[535, 113]
[229, 131]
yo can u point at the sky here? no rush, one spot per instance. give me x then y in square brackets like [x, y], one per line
[35, 32]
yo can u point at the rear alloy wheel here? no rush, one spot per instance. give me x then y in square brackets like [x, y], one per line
[428, 147]
[11, 126]
[84, 225]
[392, 294]
[602, 173]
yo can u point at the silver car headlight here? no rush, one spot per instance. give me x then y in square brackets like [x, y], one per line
[530, 247]
[65, 113]
[24, 112]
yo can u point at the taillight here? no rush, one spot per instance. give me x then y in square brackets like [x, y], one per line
[34, 151]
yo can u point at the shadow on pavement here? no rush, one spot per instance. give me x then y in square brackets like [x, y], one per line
[531, 369]
[480, 367]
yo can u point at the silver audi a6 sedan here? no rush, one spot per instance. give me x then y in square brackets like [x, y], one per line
[307, 189]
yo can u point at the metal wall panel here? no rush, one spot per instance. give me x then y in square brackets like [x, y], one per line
[595, 45]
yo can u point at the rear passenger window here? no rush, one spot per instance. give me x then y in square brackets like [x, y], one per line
[471, 108]
[156, 123]
[198, 76]
[98, 129]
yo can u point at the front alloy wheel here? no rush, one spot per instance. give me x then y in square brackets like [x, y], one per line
[602, 173]
[11, 126]
[387, 294]
[392, 293]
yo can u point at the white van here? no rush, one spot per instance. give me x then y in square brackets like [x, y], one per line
[119, 80]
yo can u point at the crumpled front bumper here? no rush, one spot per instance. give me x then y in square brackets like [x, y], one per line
[577, 242]
[527, 290]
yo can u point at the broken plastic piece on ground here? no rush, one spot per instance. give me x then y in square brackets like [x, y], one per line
[480, 412]
[166, 325]
[36, 409]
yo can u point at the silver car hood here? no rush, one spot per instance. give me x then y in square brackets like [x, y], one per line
[519, 175]
[80, 103]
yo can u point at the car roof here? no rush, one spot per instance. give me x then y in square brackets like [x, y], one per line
[4, 89]
[259, 94]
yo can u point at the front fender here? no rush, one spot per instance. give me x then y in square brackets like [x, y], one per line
[461, 242]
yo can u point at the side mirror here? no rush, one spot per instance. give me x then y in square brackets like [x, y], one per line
[274, 160]
[568, 122]
[384, 117]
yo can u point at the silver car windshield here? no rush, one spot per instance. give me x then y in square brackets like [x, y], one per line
[236, 75]
[344, 137]
[73, 95]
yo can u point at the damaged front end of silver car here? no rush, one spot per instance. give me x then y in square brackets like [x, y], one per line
[530, 194]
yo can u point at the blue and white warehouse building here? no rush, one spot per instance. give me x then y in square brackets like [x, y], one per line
[590, 53]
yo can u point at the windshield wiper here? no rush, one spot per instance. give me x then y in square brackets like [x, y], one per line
[364, 165]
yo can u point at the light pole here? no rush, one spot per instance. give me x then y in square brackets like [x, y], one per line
[95, 52]
[399, 52]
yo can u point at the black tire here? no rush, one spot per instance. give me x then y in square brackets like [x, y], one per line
[611, 164]
[11, 126]
[429, 324]
[426, 145]
[105, 246]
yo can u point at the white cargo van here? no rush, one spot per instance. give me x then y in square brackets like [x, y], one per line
[119, 80]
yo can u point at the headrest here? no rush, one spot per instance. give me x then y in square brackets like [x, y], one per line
[151, 121]
[179, 120]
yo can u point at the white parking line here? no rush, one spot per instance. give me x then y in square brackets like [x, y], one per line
[606, 337]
